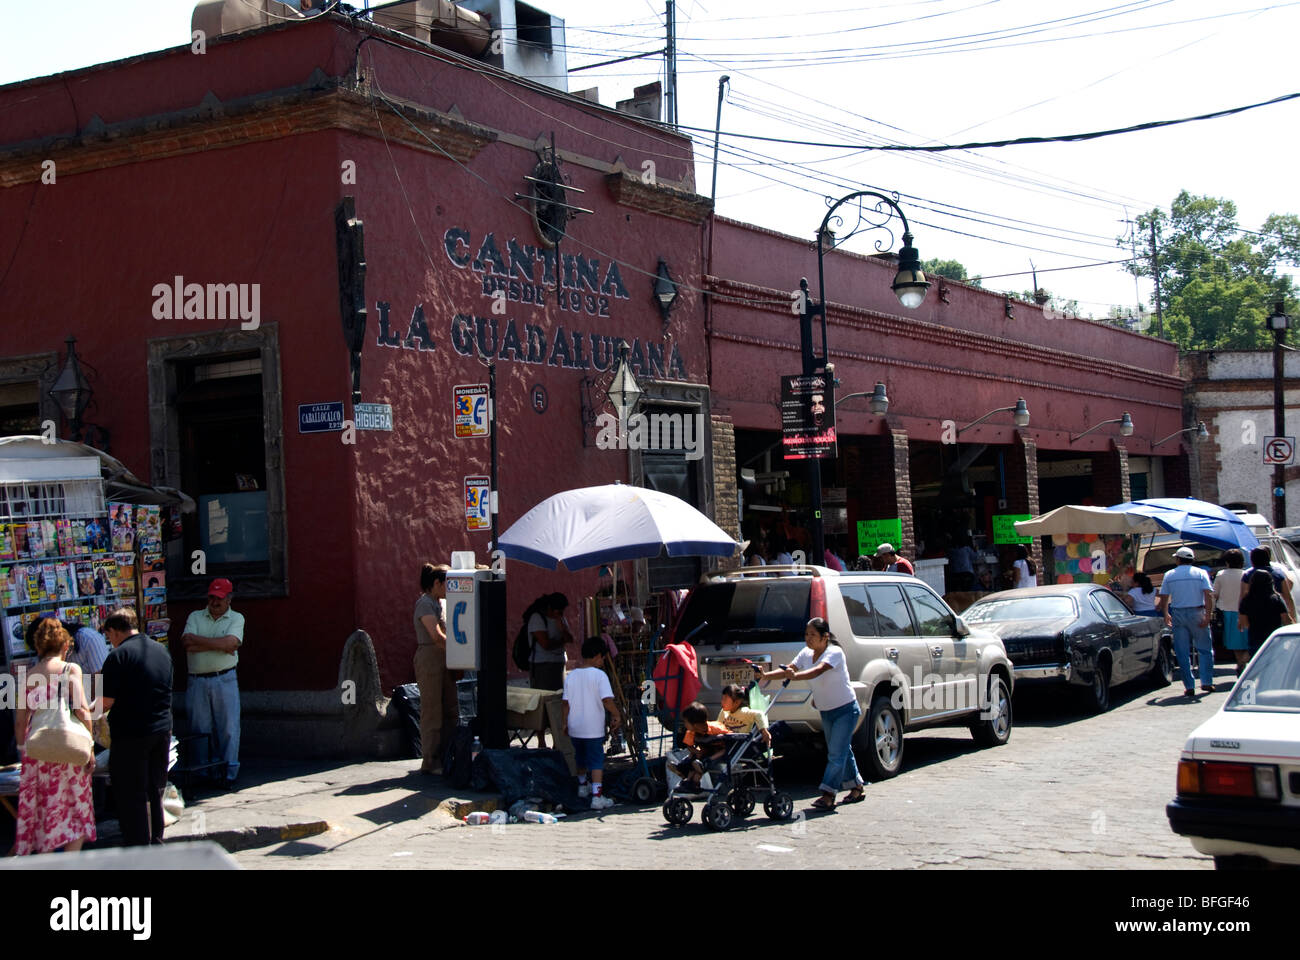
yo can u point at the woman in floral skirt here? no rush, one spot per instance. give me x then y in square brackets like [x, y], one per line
[55, 806]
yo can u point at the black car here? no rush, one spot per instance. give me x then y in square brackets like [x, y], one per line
[1080, 636]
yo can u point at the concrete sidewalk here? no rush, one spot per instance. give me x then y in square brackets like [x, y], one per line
[278, 801]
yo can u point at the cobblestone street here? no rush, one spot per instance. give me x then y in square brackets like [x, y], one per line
[1068, 791]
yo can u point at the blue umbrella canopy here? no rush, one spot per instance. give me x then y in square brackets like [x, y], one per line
[594, 525]
[1195, 520]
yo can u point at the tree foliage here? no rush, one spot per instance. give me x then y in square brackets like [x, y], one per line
[1218, 283]
[952, 269]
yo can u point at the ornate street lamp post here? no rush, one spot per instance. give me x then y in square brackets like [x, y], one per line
[874, 212]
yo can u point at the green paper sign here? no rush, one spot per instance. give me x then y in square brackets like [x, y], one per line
[872, 533]
[1004, 529]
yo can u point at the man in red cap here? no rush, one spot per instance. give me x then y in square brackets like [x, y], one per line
[212, 639]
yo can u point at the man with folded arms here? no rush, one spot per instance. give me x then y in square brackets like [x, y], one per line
[212, 639]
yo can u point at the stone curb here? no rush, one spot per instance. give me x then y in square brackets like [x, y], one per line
[459, 809]
[246, 838]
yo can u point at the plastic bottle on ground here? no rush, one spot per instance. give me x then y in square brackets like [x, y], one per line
[478, 817]
[533, 816]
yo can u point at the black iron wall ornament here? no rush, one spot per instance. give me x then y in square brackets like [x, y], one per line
[548, 195]
[349, 234]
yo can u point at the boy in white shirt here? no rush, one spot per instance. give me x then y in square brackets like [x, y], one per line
[587, 698]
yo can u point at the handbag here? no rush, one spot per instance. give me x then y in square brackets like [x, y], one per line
[56, 736]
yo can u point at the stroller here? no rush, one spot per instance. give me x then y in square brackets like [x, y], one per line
[730, 784]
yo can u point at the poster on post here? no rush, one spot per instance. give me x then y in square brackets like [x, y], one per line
[872, 533]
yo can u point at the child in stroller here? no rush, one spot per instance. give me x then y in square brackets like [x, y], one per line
[738, 766]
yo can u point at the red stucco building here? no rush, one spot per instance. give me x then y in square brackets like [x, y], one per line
[125, 184]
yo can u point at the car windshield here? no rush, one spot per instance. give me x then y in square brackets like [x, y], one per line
[1272, 681]
[1020, 608]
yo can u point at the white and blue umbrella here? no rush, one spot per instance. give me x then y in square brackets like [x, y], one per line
[595, 525]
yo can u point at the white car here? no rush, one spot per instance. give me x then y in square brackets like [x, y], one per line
[1239, 776]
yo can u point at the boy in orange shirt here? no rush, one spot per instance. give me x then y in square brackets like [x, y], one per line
[696, 720]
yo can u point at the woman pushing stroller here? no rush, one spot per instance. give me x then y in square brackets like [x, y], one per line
[822, 666]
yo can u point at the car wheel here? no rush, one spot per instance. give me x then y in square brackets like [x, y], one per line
[1162, 673]
[742, 802]
[1099, 693]
[779, 806]
[879, 742]
[678, 811]
[994, 727]
[718, 815]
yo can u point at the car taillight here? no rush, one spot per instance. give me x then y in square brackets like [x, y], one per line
[1228, 779]
[817, 598]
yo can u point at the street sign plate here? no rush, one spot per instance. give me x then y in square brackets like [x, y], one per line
[1279, 451]
[320, 417]
[373, 416]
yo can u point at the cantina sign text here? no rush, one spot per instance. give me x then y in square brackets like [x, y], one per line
[533, 276]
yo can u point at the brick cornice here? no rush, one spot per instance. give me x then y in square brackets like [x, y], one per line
[628, 190]
[318, 105]
[887, 325]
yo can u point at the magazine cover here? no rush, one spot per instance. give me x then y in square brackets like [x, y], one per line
[63, 574]
[50, 538]
[154, 581]
[6, 542]
[158, 629]
[15, 644]
[97, 535]
[18, 532]
[84, 571]
[79, 545]
[49, 581]
[63, 530]
[35, 542]
[8, 595]
[125, 583]
[149, 523]
[18, 583]
[105, 576]
[151, 562]
[121, 526]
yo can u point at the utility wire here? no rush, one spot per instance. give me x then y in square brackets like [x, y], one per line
[1016, 141]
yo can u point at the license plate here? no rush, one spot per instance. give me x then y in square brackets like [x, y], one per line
[740, 673]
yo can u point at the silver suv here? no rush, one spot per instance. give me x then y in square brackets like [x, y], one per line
[912, 661]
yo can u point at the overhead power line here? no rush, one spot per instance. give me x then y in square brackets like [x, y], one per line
[1017, 141]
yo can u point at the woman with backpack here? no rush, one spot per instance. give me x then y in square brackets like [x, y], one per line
[1262, 609]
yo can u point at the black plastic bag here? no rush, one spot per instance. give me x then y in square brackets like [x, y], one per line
[521, 774]
[458, 756]
[407, 700]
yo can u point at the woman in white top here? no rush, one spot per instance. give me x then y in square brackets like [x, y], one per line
[1227, 598]
[821, 664]
[1143, 594]
[1026, 572]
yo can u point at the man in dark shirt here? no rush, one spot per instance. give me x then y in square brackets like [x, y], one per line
[138, 688]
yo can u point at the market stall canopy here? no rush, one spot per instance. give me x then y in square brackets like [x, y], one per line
[120, 484]
[594, 525]
[1192, 519]
[1080, 519]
